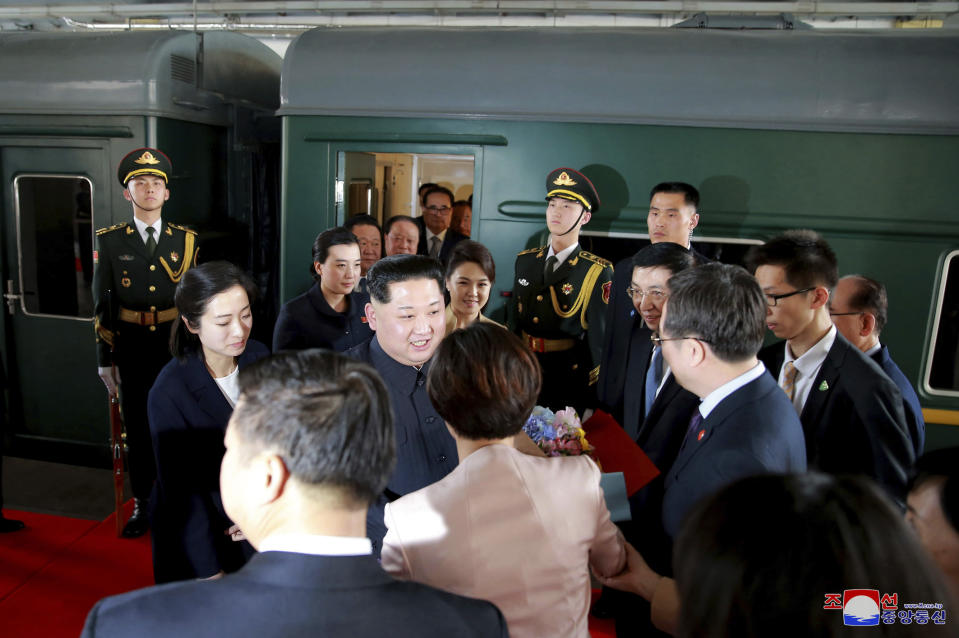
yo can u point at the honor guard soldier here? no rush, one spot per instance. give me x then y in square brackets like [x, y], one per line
[561, 293]
[137, 268]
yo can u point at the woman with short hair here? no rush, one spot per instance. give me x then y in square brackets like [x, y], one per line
[517, 530]
[330, 314]
[189, 406]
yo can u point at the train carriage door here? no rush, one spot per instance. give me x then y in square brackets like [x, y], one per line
[52, 199]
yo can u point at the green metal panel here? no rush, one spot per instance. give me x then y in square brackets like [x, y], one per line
[886, 202]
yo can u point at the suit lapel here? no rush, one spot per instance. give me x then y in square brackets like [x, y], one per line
[820, 391]
[134, 242]
[206, 392]
[562, 271]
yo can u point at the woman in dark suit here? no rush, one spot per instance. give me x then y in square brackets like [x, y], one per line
[330, 314]
[189, 406]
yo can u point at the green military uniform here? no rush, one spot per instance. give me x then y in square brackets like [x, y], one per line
[562, 314]
[133, 291]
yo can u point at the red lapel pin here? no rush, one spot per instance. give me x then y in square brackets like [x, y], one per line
[702, 433]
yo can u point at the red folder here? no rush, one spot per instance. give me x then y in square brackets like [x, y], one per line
[616, 452]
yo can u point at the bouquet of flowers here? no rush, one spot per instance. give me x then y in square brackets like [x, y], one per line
[559, 434]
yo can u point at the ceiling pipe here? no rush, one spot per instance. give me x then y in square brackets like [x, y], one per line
[370, 12]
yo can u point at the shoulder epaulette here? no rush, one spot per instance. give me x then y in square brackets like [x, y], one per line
[183, 228]
[103, 231]
[595, 258]
[530, 250]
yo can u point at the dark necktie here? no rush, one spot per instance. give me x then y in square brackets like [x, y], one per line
[694, 423]
[435, 244]
[551, 262]
[151, 242]
[654, 376]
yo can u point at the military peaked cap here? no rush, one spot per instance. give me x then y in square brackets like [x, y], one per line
[144, 161]
[573, 185]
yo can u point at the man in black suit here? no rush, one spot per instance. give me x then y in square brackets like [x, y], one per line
[407, 314]
[850, 410]
[437, 239]
[858, 308]
[672, 217]
[711, 330]
[309, 446]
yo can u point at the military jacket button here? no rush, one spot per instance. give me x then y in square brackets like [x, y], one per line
[153, 328]
[539, 297]
[535, 319]
[152, 267]
[153, 288]
[153, 308]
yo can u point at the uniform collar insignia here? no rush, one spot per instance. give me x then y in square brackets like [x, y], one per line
[564, 180]
[146, 158]
[168, 231]
[129, 230]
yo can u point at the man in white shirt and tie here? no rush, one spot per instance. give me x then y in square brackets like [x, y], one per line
[851, 411]
[437, 239]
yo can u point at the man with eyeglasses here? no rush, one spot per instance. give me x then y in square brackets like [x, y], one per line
[711, 330]
[654, 410]
[673, 214]
[437, 239]
[858, 308]
[850, 410]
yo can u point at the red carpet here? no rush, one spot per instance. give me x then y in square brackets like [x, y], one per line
[53, 572]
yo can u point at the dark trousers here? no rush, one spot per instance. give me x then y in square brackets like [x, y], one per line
[566, 379]
[140, 354]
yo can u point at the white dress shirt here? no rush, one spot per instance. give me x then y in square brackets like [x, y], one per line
[808, 366]
[142, 228]
[317, 545]
[562, 255]
[714, 398]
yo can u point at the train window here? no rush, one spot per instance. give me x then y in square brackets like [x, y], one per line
[942, 371]
[386, 184]
[619, 246]
[55, 243]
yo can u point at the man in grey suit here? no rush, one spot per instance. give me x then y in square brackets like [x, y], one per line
[309, 446]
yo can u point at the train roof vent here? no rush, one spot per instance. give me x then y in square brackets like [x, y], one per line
[182, 69]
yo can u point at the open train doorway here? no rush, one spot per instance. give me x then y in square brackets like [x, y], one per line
[383, 185]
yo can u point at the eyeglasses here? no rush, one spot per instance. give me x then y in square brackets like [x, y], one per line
[638, 293]
[846, 314]
[438, 209]
[772, 300]
[658, 341]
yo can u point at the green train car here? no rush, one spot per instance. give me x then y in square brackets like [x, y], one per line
[853, 134]
[71, 106]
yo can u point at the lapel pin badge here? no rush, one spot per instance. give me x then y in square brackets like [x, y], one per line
[702, 433]
[823, 386]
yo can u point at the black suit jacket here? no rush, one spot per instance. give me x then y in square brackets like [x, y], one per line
[188, 417]
[449, 241]
[308, 321]
[910, 402]
[853, 418]
[659, 437]
[752, 431]
[291, 595]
